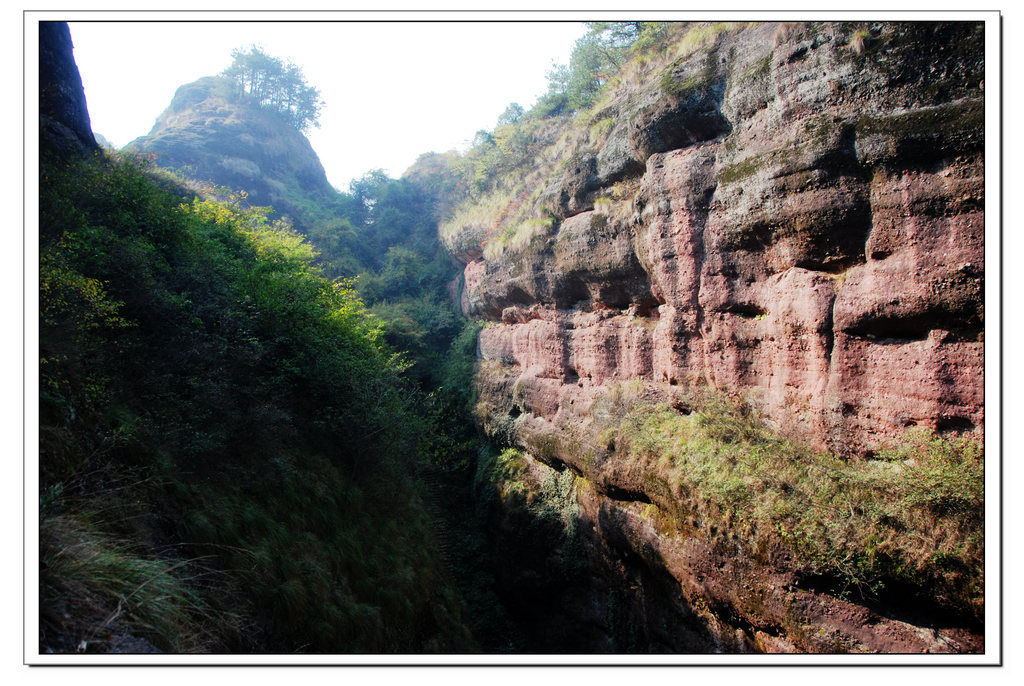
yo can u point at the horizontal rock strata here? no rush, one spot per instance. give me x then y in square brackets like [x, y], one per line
[805, 227]
[816, 245]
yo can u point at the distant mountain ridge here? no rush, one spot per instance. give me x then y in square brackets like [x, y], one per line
[213, 134]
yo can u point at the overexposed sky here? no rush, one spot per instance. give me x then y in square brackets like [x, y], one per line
[392, 90]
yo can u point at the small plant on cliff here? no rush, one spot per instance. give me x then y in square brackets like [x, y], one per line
[703, 35]
[860, 40]
[596, 58]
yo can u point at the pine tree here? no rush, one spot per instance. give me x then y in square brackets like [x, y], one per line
[276, 85]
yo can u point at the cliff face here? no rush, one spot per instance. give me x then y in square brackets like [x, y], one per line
[217, 137]
[63, 115]
[793, 213]
[806, 221]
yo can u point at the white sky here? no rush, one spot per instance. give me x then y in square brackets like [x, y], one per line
[392, 90]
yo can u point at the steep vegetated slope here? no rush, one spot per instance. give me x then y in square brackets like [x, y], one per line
[226, 142]
[734, 344]
[227, 442]
[235, 140]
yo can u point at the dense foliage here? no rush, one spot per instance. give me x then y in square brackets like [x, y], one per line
[381, 237]
[226, 438]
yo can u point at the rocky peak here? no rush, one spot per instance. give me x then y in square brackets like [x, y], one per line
[215, 135]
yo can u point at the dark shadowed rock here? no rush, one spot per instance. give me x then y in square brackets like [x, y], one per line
[64, 125]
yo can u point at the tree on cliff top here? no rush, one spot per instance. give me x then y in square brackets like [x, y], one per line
[277, 85]
[596, 57]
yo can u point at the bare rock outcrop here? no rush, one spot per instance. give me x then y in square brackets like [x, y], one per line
[64, 126]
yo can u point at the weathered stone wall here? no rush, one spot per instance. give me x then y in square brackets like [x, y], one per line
[816, 234]
[794, 213]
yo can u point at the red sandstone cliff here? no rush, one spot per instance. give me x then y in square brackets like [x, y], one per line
[794, 213]
[817, 238]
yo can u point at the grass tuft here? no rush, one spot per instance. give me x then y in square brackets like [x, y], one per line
[95, 588]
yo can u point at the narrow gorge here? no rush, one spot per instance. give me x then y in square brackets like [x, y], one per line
[729, 339]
